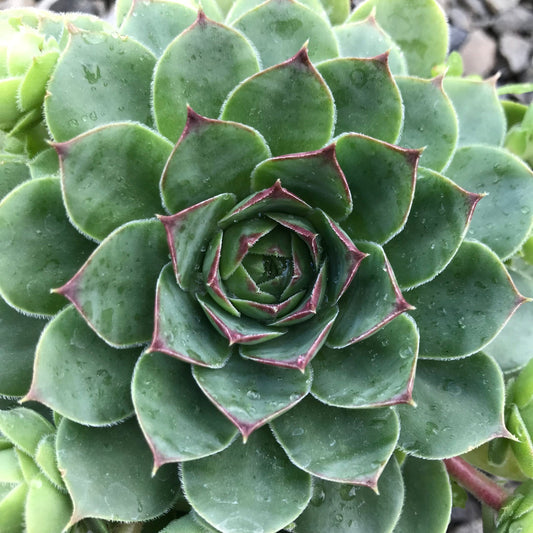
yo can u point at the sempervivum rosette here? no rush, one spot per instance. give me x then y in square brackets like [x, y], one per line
[294, 204]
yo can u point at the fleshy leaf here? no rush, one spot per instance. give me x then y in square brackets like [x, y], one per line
[110, 176]
[188, 234]
[366, 97]
[238, 239]
[289, 103]
[47, 509]
[37, 237]
[366, 39]
[374, 372]
[418, 26]
[479, 111]
[80, 376]
[166, 398]
[315, 177]
[428, 498]
[279, 28]
[298, 346]
[114, 290]
[372, 300]
[429, 120]
[181, 328]
[13, 171]
[237, 330]
[211, 157]
[250, 394]
[509, 354]
[339, 508]
[436, 226]
[99, 78]
[247, 505]
[343, 257]
[33, 87]
[199, 68]
[341, 445]
[44, 164]
[504, 219]
[271, 200]
[45, 458]
[19, 336]
[12, 509]
[108, 473]
[24, 428]
[155, 23]
[10, 472]
[465, 306]
[382, 180]
[9, 112]
[459, 405]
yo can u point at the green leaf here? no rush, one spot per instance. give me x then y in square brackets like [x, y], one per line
[436, 226]
[33, 87]
[315, 177]
[185, 524]
[224, 491]
[45, 458]
[510, 354]
[114, 290]
[339, 508]
[189, 233]
[9, 112]
[181, 328]
[13, 171]
[504, 219]
[341, 445]
[381, 178]
[479, 111]
[212, 157]
[47, 510]
[199, 68]
[279, 28]
[464, 307]
[372, 300]
[80, 376]
[237, 330]
[45, 164]
[12, 510]
[19, 334]
[428, 498]
[418, 26]
[250, 394]
[37, 237]
[202, 429]
[10, 472]
[290, 104]
[110, 176]
[459, 405]
[155, 23]
[24, 428]
[366, 39]
[298, 346]
[108, 473]
[429, 121]
[99, 78]
[374, 372]
[366, 97]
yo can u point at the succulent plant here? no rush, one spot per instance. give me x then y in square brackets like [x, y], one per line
[262, 218]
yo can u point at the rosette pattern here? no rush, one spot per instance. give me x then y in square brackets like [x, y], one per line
[308, 258]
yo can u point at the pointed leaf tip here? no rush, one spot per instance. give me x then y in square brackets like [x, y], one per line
[382, 58]
[438, 81]
[60, 148]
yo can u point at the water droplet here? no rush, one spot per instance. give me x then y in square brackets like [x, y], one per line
[319, 495]
[348, 492]
[339, 518]
[253, 395]
[431, 428]
[525, 210]
[296, 432]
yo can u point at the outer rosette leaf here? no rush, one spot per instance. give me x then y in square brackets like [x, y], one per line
[465, 306]
[114, 289]
[282, 494]
[99, 78]
[279, 28]
[199, 68]
[289, 103]
[110, 176]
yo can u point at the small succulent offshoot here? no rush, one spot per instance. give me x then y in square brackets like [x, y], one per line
[262, 270]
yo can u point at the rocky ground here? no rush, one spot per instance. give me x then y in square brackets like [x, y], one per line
[493, 36]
